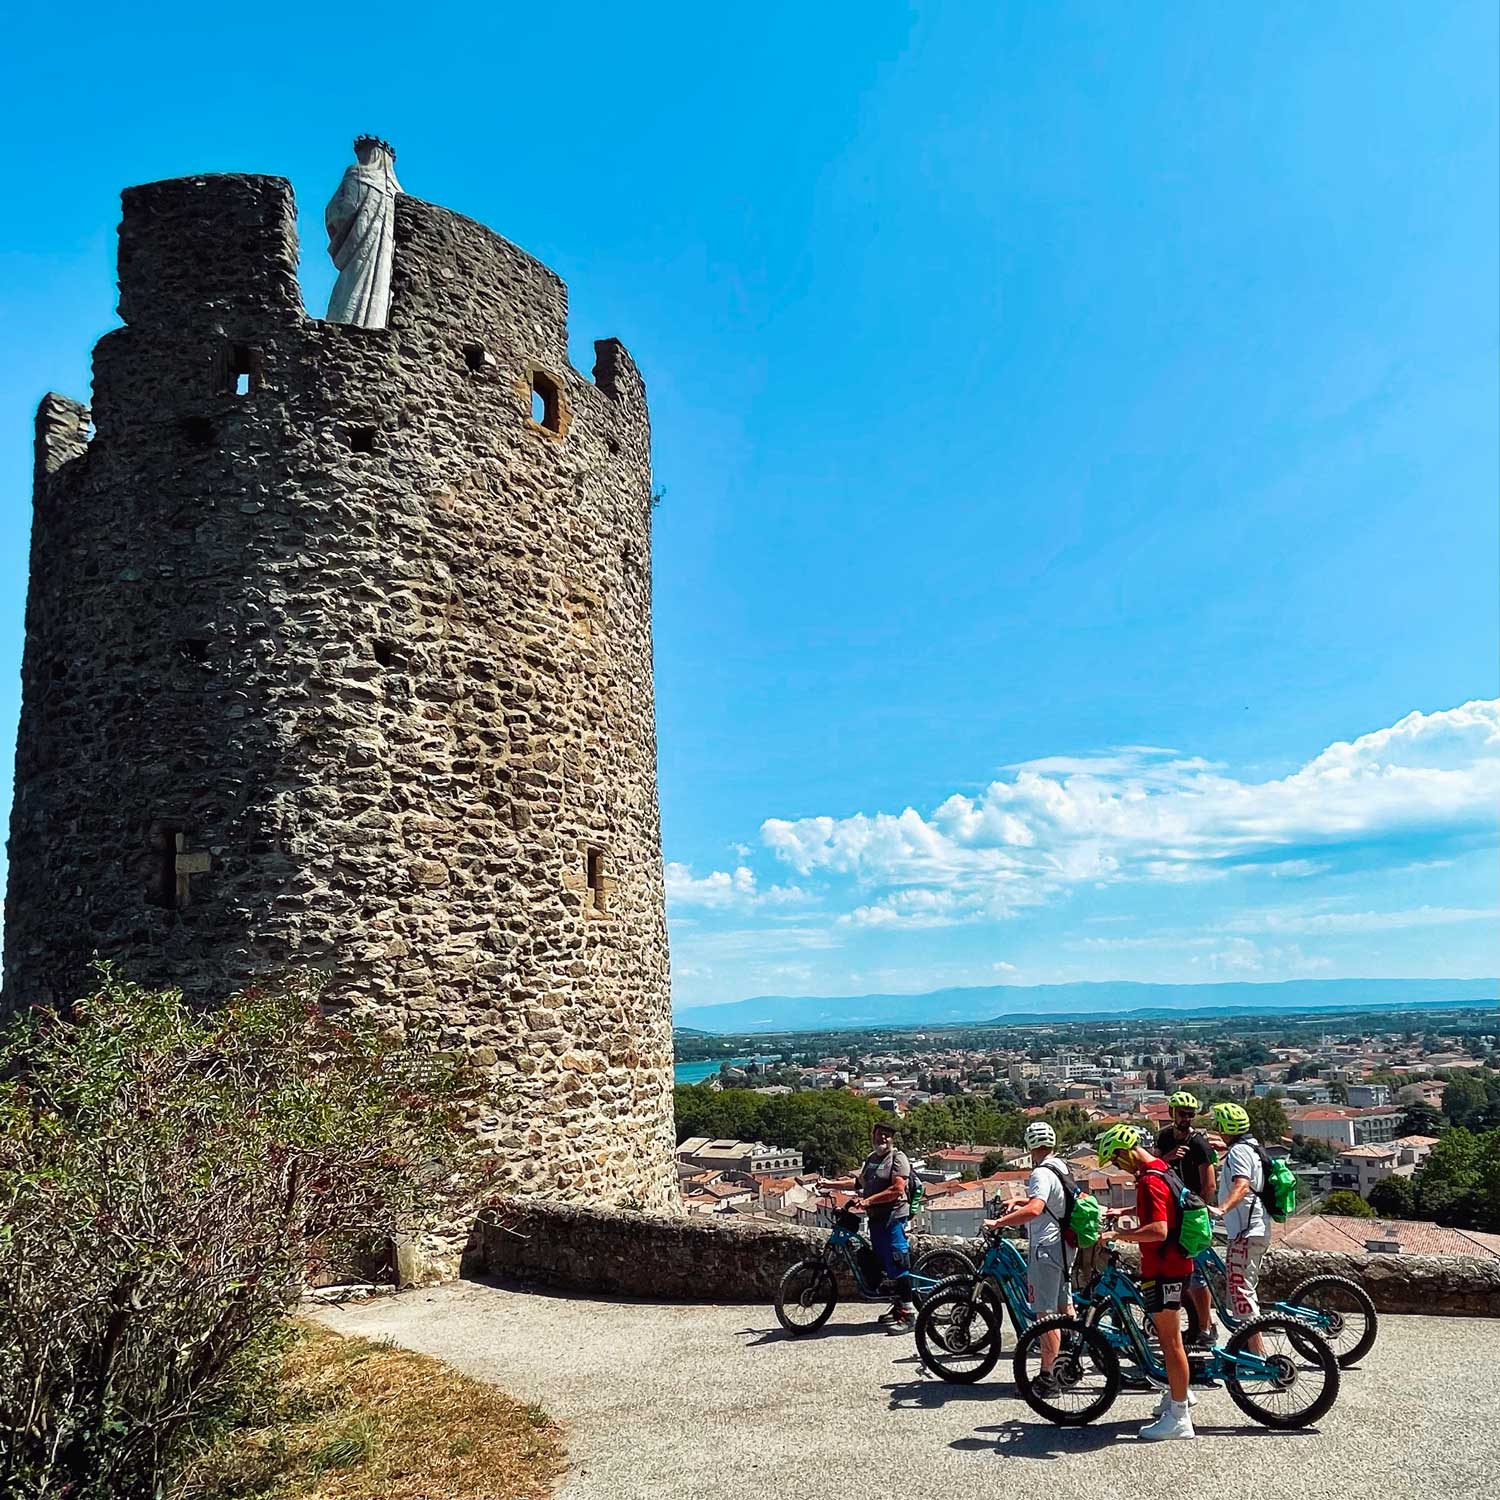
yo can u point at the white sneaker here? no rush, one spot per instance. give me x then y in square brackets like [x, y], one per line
[1165, 1400]
[1174, 1422]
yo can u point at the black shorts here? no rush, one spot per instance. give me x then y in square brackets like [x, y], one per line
[1161, 1292]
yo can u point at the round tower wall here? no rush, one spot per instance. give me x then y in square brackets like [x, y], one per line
[336, 656]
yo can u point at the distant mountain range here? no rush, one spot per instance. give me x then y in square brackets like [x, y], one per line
[1103, 1000]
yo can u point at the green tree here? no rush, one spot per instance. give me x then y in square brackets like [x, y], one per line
[830, 1128]
[1472, 1099]
[1459, 1183]
[1315, 1152]
[1395, 1198]
[994, 1161]
[1342, 1201]
[1072, 1124]
[1267, 1118]
[1422, 1119]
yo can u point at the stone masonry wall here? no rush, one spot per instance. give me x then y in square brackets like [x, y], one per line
[351, 669]
[740, 1260]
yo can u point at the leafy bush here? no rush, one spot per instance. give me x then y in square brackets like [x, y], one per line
[169, 1179]
[1343, 1201]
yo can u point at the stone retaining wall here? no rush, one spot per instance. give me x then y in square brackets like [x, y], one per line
[739, 1260]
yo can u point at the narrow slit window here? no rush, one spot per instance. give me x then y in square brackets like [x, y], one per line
[242, 383]
[161, 878]
[598, 884]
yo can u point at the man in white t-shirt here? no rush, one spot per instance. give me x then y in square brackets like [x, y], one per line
[1247, 1226]
[1044, 1213]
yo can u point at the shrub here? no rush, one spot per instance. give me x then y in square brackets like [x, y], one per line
[1343, 1201]
[169, 1179]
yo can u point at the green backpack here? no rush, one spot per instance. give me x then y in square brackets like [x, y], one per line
[1194, 1231]
[1081, 1213]
[1279, 1195]
[916, 1193]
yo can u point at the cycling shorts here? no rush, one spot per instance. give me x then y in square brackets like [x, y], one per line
[1162, 1292]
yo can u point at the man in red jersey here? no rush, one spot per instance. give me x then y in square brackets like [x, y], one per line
[1165, 1269]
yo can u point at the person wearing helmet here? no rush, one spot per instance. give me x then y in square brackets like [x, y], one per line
[880, 1187]
[1189, 1154]
[1246, 1225]
[1165, 1269]
[1045, 1215]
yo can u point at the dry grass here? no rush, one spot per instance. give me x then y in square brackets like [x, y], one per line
[356, 1420]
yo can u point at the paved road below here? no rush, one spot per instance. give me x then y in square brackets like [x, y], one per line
[677, 1402]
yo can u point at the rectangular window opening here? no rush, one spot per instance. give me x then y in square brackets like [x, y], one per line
[598, 881]
[546, 401]
[240, 370]
[361, 439]
[161, 876]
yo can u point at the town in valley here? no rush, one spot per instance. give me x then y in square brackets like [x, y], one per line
[1381, 1115]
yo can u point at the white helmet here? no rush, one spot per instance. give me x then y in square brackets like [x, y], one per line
[1039, 1133]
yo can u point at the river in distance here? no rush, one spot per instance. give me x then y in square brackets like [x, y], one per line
[696, 1072]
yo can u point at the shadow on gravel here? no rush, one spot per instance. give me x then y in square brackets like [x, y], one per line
[754, 1337]
[1042, 1440]
[927, 1395]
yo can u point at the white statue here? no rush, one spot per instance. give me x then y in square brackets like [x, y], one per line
[361, 223]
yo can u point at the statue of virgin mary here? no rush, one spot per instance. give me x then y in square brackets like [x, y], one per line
[361, 221]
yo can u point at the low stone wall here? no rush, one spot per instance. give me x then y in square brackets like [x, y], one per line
[585, 1249]
[639, 1255]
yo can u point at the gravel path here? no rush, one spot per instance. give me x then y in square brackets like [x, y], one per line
[688, 1402]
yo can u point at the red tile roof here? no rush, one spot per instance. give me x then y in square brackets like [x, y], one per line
[776, 1184]
[1416, 1237]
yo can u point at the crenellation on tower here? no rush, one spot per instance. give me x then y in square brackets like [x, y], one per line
[358, 627]
[196, 250]
[62, 434]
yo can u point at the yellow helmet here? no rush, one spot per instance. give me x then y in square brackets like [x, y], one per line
[1117, 1141]
[1184, 1100]
[1231, 1119]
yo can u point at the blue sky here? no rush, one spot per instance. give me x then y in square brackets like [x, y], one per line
[1078, 425]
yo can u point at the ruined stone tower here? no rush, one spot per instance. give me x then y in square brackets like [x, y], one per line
[338, 654]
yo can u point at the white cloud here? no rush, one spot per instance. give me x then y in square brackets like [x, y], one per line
[1138, 813]
[917, 907]
[723, 888]
[1335, 922]
[1240, 956]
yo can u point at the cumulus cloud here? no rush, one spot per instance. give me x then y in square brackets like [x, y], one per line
[735, 888]
[1149, 814]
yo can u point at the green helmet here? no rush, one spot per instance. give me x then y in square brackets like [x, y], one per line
[1183, 1100]
[1116, 1141]
[1231, 1119]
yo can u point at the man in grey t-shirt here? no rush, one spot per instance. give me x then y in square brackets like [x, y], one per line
[1246, 1224]
[880, 1188]
[1043, 1213]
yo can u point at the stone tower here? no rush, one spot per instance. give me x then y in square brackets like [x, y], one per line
[338, 654]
